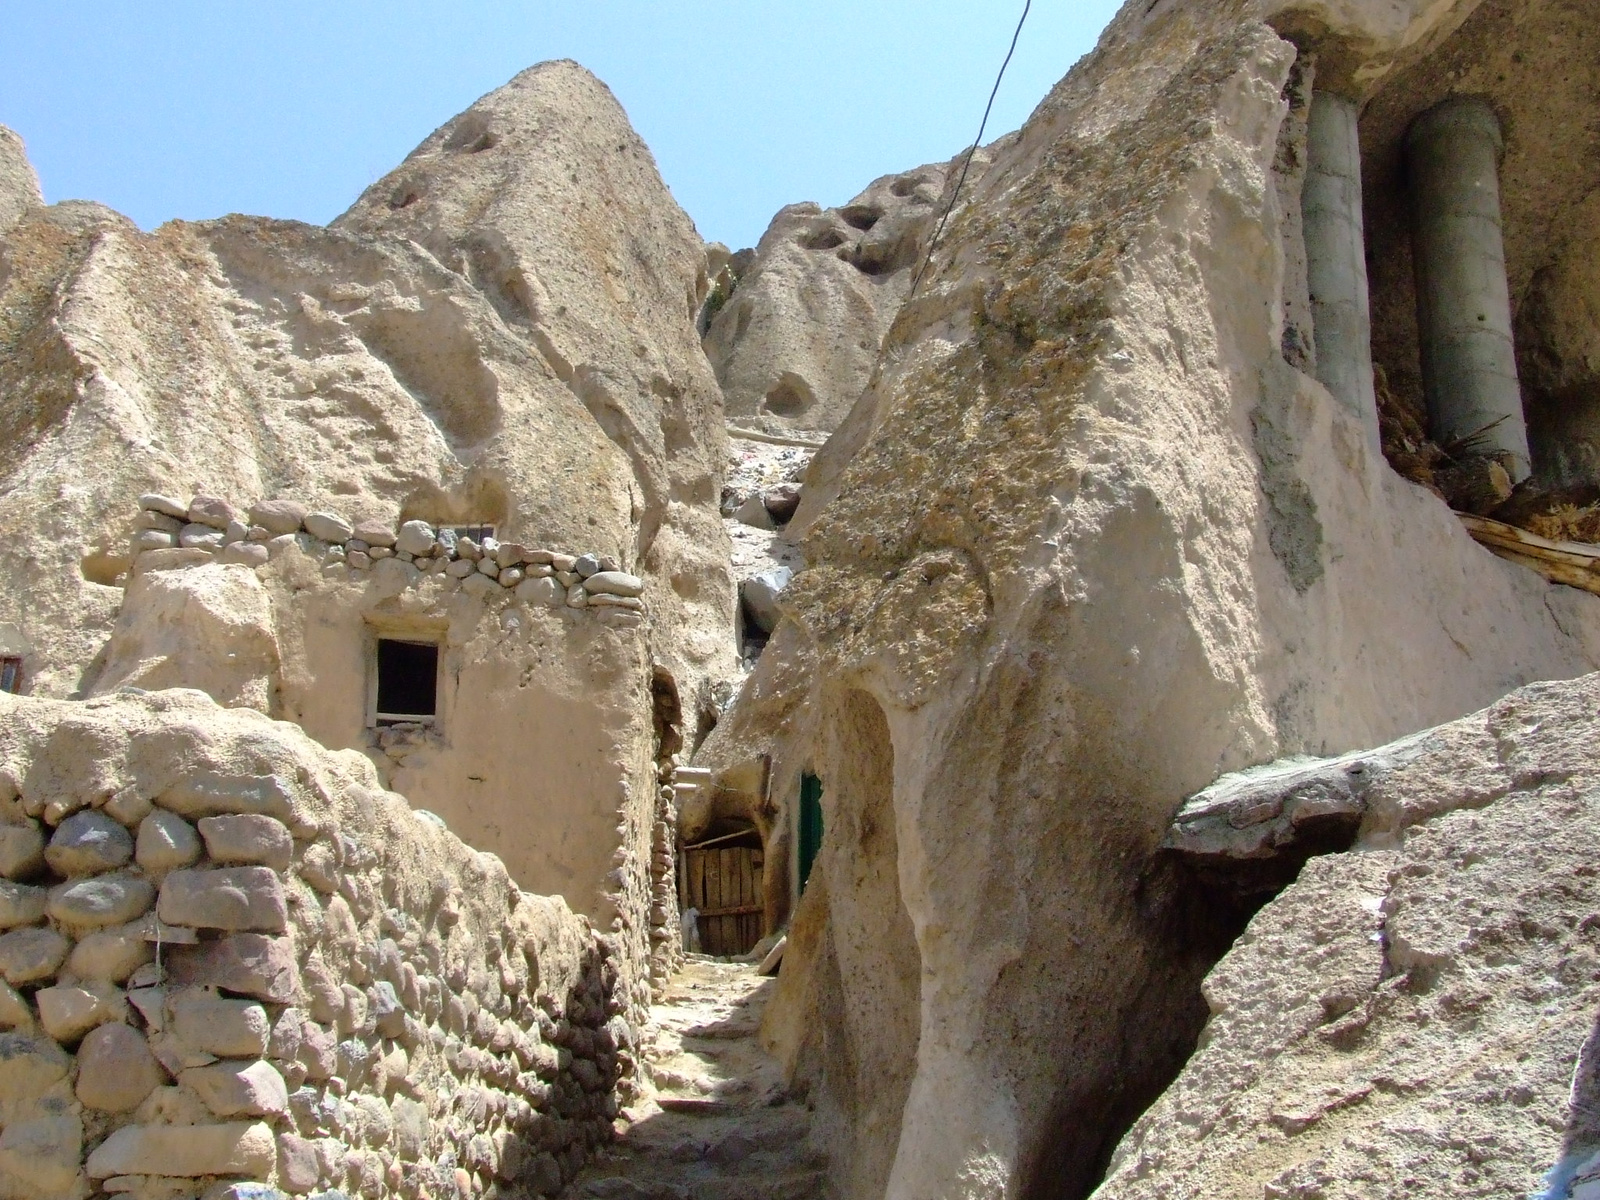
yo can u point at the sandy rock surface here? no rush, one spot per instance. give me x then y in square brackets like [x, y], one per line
[1087, 541]
[1421, 1007]
[19, 186]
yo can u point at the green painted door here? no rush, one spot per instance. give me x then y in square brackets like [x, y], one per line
[810, 825]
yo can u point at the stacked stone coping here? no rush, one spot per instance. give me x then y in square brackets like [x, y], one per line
[234, 966]
[169, 533]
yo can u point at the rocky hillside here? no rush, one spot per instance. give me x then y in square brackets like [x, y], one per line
[477, 341]
[1161, 793]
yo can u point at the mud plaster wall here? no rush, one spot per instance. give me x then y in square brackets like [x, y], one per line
[329, 990]
[543, 748]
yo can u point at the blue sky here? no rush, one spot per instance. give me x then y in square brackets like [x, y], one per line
[187, 109]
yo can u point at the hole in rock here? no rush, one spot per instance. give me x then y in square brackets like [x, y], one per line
[905, 186]
[404, 197]
[407, 681]
[860, 216]
[471, 134]
[823, 239]
[11, 673]
[108, 569]
[878, 259]
[789, 397]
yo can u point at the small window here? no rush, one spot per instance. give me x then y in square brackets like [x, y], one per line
[11, 673]
[408, 682]
[476, 532]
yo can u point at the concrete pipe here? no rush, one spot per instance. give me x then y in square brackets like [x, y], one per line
[1336, 260]
[1469, 366]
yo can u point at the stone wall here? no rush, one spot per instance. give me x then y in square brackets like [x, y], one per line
[171, 533]
[230, 955]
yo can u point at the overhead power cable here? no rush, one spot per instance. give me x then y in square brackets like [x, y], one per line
[982, 125]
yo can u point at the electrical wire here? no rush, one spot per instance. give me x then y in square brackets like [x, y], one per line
[982, 125]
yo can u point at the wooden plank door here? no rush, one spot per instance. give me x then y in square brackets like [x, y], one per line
[724, 885]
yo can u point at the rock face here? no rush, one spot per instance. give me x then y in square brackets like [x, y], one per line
[1088, 540]
[800, 326]
[19, 186]
[1421, 1008]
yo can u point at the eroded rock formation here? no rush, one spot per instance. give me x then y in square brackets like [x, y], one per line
[1095, 534]
[799, 326]
[19, 186]
[1055, 763]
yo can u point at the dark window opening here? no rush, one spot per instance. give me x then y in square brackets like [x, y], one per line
[11, 673]
[408, 681]
[476, 532]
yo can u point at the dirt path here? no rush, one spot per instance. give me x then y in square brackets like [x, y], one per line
[720, 1125]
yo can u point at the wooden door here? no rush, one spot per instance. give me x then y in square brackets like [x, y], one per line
[725, 886]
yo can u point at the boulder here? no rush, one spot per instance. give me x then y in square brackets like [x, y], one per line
[298, 1169]
[68, 1011]
[101, 900]
[250, 964]
[328, 527]
[218, 1025]
[760, 595]
[200, 537]
[88, 843]
[541, 591]
[186, 1151]
[239, 1089]
[248, 838]
[30, 1067]
[227, 898]
[116, 1070]
[614, 583]
[209, 794]
[21, 904]
[43, 1157]
[14, 1010]
[31, 955]
[109, 955]
[167, 506]
[21, 850]
[166, 841]
[278, 517]
[211, 512]
[375, 533]
[782, 501]
[246, 554]
[753, 512]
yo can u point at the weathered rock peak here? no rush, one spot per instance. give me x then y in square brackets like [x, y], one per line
[19, 185]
